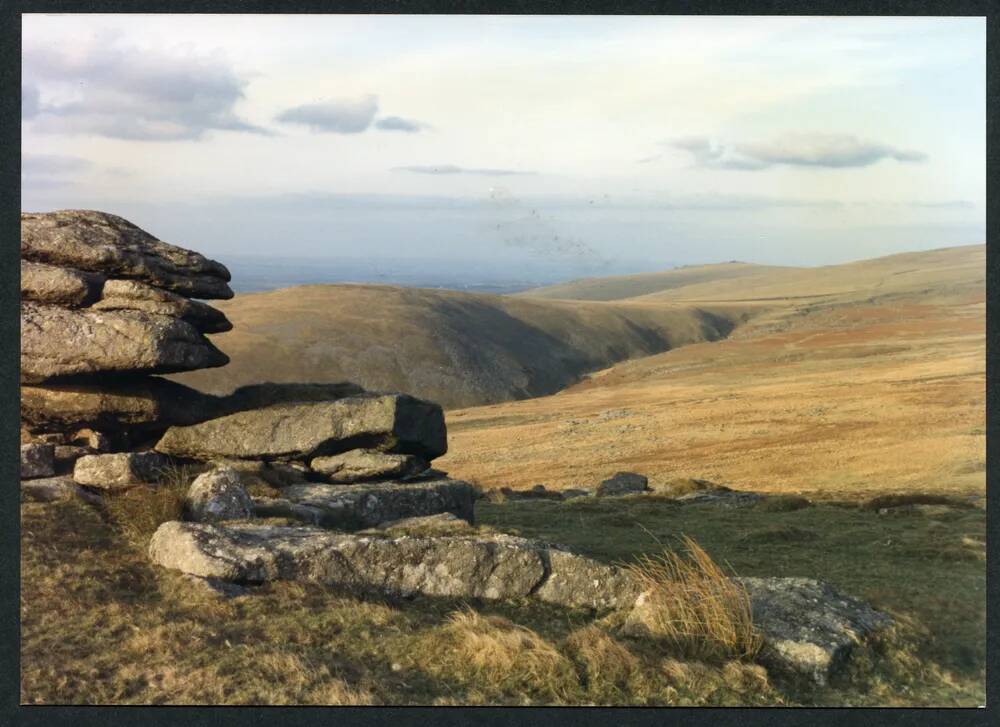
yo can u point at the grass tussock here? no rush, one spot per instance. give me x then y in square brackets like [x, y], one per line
[693, 605]
[137, 512]
[607, 670]
[500, 657]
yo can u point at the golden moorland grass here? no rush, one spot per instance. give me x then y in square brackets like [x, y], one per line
[852, 401]
[691, 603]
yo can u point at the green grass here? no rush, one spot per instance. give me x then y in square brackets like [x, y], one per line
[916, 567]
[100, 624]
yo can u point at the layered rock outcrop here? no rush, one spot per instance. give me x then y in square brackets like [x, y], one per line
[104, 307]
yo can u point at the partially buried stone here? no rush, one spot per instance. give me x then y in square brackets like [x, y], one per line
[623, 483]
[37, 460]
[352, 507]
[360, 465]
[217, 495]
[124, 468]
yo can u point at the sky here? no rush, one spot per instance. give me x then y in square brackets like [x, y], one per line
[581, 145]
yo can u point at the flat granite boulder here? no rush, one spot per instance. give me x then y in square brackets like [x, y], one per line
[353, 507]
[495, 567]
[305, 430]
[104, 243]
[60, 342]
[133, 295]
[37, 460]
[124, 468]
[360, 465]
[148, 403]
[808, 626]
[56, 285]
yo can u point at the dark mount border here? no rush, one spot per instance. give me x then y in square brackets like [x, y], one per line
[13, 714]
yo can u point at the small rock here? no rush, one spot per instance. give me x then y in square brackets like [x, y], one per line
[725, 498]
[573, 492]
[37, 460]
[538, 492]
[54, 489]
[808, 626]
[123, 468]
[218, 495]
[360, 465]
[623, 483]
[96, 441]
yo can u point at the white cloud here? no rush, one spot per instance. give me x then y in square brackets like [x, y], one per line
[338, 116]
[126, 92]
[800, 150]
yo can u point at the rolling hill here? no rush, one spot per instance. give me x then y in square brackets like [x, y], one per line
[467, 349]
[875, 383]
[938, 271]
[459, 349]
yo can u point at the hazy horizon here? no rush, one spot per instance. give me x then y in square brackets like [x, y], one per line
[534, 148]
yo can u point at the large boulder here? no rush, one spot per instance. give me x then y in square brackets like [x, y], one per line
[304, 430]
[360, 465]
[133, 295]
[352, 507]
[60, 342]
[809, 628]
[623, 483]
[149, 403]
[218, 495]
[37, 460]
[52, 284]
[104, 243]
[492, 567]
[109, 471]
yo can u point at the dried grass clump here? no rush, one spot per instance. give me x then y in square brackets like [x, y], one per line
[690, 603]
[608, 671]
[498, 657]
[139, 511]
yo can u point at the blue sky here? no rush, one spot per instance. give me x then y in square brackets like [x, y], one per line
[595, 143]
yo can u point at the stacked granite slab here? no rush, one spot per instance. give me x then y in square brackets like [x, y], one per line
[104, 307]
[348, 462]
